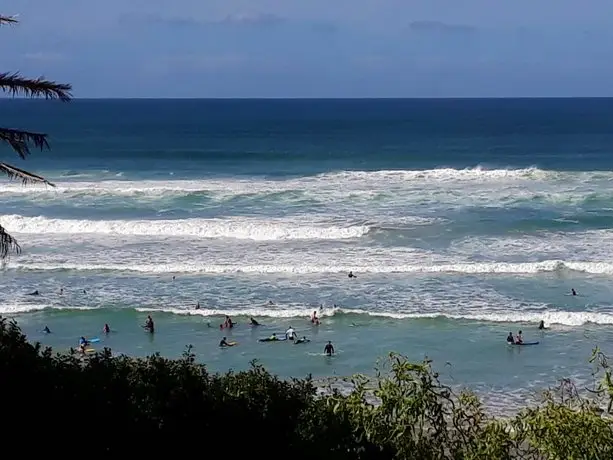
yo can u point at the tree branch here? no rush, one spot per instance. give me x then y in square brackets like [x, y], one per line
[24, 176]
[7, 244]
[14, 84]
[20, 140]
[8, 20]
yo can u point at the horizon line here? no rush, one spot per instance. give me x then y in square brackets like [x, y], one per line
[299, 98]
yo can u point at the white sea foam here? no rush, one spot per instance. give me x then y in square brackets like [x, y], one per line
[234, 227]
[565, 318]
[360, 180]
[390, 191]
[604, 268]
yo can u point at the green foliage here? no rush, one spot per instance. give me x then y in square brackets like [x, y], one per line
[156, 406]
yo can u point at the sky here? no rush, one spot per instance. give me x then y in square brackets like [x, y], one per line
[314, 48]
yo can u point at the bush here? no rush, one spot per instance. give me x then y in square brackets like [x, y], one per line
[160, 406]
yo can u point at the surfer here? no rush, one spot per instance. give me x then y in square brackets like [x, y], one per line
[510, 338]
[351, 275]
[34, 293]
[253, 322]
[290, 333]
[314, 318]
[46, 330]
[149, 326]
[573, 292]
[272, 338]
[83, 343]
[223, 343]
[302, 340]
[542, 325]
[61, 291]
[198, 306]
[228, 323]
[106, 329]
[519, 339]
[329, 348]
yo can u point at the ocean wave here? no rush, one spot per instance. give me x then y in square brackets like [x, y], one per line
[551, 317]
[237, 228]
[519, 268]
[336, 180]
[390, 190]
[565, 318]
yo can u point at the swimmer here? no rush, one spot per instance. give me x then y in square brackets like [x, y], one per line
[314, 318]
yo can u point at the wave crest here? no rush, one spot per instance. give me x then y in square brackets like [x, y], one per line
[237, 228]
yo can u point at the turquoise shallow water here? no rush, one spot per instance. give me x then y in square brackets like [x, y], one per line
[463, 220]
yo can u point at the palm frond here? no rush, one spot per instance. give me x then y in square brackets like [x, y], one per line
[25, 177]
[8, 20]
[14, 84]
[8, 244]
[20, 141]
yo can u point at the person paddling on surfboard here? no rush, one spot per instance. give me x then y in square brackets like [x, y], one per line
[223, 343]
[272, 338]
[253, 322]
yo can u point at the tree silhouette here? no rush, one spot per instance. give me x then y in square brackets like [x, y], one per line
[22, 141]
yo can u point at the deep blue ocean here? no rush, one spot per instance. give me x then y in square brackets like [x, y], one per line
[462, 220]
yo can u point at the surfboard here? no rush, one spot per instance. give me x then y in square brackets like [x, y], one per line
[90, 350]
[279, 339]
[523, 344]
[94, 340]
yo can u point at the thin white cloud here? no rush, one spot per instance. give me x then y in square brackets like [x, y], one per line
[45, 56]
[252, 18]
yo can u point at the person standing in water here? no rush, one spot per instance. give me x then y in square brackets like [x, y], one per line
[106, 329]
[290, 334]
[519, 339]
[329, 348]
[149, 326]
[314, 318]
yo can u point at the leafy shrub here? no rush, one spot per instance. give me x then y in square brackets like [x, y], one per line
[158, 406]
